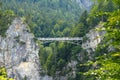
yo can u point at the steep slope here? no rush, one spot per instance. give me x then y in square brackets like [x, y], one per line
[19, 52]
[48, 17]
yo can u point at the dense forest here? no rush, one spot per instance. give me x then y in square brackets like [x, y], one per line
[46, 18]
[58, 18]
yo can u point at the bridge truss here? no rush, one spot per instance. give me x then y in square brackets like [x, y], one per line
[72, 40]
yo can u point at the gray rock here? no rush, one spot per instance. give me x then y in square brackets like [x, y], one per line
[94, 37]
[19, 52]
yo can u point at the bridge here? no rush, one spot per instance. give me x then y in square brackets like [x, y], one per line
[72, 40]
[61, 39]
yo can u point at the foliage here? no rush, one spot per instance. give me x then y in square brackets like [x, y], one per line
[46, 18]
[3, 74]
[106, 66]
[82, 27]
[55, 57]
[5, 19]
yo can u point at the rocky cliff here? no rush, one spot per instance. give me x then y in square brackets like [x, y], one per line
[19, 52]
[93, 38]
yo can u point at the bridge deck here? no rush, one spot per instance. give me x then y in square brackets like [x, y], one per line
[61, 39]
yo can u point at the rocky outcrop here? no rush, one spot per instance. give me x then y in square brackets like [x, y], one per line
[89, 44]
[69, 70]
[93, 38]
[84, 4]
[19, 52]
[87, 4]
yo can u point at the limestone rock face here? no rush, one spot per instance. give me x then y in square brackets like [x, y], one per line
[93, 38]
[19, 52]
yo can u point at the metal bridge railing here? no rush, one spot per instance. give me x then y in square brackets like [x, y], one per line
[61, 39]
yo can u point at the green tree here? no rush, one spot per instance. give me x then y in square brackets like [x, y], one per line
[61, 63]
[3, 74]
[5, 20]
[107, 63]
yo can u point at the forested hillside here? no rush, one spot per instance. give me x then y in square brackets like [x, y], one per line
[106, 61]
[6, 17]
[46, 17]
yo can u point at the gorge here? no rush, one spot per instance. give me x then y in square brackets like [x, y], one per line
[59, 40]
